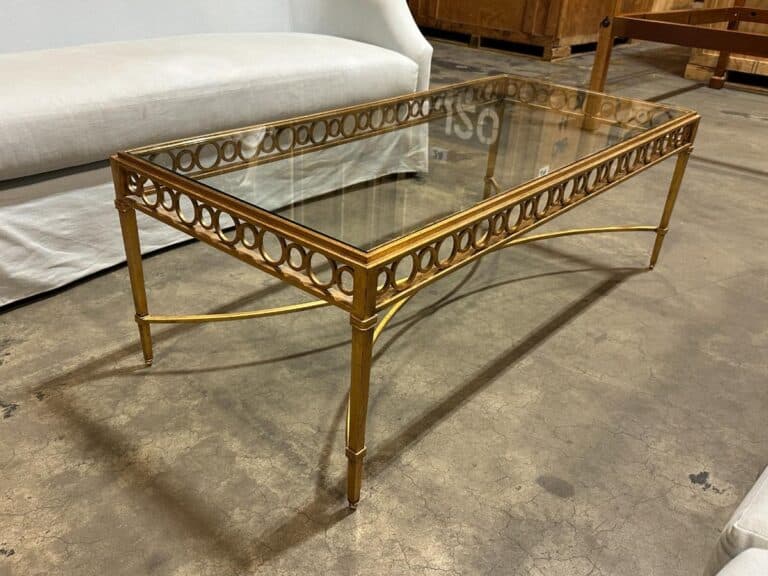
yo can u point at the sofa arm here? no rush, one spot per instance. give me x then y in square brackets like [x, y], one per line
[385, 23]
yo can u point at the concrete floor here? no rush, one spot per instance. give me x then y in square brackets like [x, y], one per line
[560, 411]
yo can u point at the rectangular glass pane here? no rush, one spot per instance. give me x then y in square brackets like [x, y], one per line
[380, 173]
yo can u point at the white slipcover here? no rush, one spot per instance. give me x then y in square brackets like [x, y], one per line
[752, 562]
[76, 105]
[57, 227]
[747, 527]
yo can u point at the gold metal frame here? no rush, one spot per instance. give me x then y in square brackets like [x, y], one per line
[683, 28]
[366, 283]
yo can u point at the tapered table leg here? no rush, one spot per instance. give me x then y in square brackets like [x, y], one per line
[599, 70]
[357, 410]
[136, 271]
[669, 206]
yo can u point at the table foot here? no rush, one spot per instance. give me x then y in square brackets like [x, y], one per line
[354, 476]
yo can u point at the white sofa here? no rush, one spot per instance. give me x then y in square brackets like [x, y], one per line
[85, 79]
[751, 562]
[743, 543]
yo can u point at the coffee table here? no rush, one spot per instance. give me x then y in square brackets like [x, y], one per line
[364, 206]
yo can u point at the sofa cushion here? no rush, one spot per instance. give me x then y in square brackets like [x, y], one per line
[752, 562]
[71, 106]
[747, 527]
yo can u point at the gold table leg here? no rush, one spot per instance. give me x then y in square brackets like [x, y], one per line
[136, 271]
[669, 206]
[357, 409]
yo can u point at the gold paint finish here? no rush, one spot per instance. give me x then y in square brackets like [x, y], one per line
[364, 283]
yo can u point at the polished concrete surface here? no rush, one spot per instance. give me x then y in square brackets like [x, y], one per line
[559, 410]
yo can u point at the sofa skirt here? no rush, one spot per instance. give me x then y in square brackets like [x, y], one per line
[61, 227]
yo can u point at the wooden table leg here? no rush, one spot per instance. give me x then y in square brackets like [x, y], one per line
[721, 68]
[600, 69]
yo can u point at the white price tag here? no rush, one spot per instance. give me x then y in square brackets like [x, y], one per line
[439, 154]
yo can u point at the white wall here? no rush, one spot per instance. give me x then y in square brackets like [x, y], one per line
[39, 24]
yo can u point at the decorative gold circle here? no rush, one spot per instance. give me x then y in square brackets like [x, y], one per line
[608, 110]
[229, 151]
[591, 180]
[266, 242]
[297, 257]
[363, 119]
[624, 112]
[319, 132]
[612, 170]
[377, 118]
[345, 280]
[402, 112]
[513, 218]
[151, 197]
[312, 270]
[557, 196]
[449, 244]
[334, 127]
[384, 283]
[268, 142]
[527, 92]
[135, 182]
[220, 228]
[558, 99]
[248, 146]
[191, 206]
[427, 258]
[199, 153]
[528, 208]
[405, 280]
[581, 184]
[499, 223]
[285, 138]
[185, 160]
[167, 197]
[569, 191]
[302, 134]
[541, 204]
[250, 236]
[205, 216]
[481, 233]
[348, 125]
[632, 158]
[464, 239]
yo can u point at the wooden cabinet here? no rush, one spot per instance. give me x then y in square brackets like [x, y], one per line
[554, 26]
[702, 62]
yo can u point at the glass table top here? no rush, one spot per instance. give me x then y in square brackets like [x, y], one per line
[374, 173]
